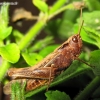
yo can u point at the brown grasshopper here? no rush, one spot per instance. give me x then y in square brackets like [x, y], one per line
[47, 69]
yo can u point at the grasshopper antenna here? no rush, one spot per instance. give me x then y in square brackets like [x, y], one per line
[82, 21]
[80, 27]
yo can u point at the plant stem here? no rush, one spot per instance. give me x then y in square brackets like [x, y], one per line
[89, 89]
[56, 6]
[69, 6]
[3, 69]
[1, 43]
[31, 34]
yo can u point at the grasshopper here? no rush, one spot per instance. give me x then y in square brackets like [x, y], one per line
[51, 66]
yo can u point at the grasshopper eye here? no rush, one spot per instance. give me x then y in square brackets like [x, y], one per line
[74, 39]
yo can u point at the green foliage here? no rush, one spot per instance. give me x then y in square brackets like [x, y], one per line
[32, 58]
[41, 5]
[95, 61]
[91, 36]
[41, 43]
[4, 19]
[91, 5]
[18, 91]
[5, 32]
[17, 35]
[12, 50]
[56, 6]
[94, 23]
[48, 50]
[56, 95]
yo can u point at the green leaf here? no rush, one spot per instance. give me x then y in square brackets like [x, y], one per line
[56, 95]
[93, 6]
[10, 52]
[13, 94]
[18, 35]
[95, 61]
[31, 58]
[63, 26]
[67, 15]
[65, 29]
[89, 35]
[41, 5]
[4, 17]
[52, 25]
[17, 91]
[40, 44]
[4, 33]
[44, 52]
[96, 93]
[95, 22]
